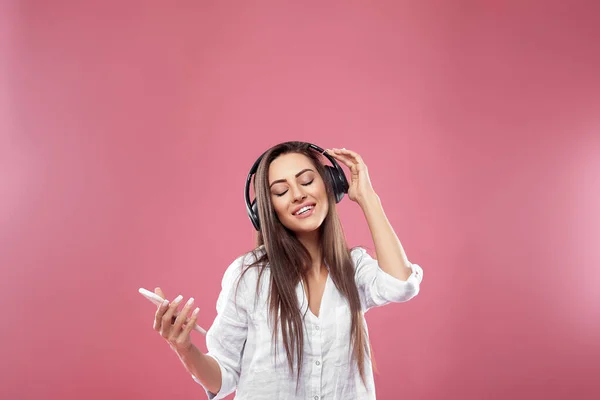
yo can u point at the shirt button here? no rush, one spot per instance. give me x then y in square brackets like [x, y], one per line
[317, 327]
[318, 362]
[316, 397]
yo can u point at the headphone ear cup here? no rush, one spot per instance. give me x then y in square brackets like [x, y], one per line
[338, 183]
[254, 215]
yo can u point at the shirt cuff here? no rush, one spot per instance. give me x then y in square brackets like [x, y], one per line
[417, 273]
[391, 289]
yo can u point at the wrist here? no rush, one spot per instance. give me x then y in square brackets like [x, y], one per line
[185, 353]
[369, 200]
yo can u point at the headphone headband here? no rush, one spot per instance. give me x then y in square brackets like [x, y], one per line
[335, 174]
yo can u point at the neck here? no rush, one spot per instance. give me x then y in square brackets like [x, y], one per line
[311, 242]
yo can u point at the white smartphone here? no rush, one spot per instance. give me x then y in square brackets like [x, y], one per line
[156, 299]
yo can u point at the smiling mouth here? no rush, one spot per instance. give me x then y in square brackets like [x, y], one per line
[304, 210]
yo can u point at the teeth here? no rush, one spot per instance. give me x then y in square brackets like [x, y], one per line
[303, 210]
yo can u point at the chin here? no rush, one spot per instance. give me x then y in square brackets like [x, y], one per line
[307, 228]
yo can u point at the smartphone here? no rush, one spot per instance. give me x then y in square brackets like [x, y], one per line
[157, 300]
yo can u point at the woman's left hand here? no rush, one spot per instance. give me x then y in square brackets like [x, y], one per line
[360, 188]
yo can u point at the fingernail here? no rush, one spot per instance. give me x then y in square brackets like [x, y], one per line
[196, 311]
[190, 301]
[165, 302]
[178, 299]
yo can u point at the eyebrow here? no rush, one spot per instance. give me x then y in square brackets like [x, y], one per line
[297, 175]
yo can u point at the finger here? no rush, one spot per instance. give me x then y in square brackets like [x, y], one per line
[191, 323]
[168, 315]
[346, 160]
[181, 319]
[159, 292]
[336, 153]
[352, 154]
[159, 314]
[355, 157]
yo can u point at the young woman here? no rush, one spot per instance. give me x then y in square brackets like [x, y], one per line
[290, 322]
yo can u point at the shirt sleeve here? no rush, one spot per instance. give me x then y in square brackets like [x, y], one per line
[226, 337]
[376, 287]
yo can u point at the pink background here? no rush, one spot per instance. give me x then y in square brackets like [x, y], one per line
[127, 130]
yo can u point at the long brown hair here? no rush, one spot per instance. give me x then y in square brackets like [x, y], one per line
[290, 262]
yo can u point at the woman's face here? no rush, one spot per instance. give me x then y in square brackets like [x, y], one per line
[298, 193]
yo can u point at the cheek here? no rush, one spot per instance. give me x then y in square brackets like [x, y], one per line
[321, 191]
[325, 208]
[279, 207]
[321, 194]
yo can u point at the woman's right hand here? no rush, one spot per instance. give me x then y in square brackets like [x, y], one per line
[177, 333]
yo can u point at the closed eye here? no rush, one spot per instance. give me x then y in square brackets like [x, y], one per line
[304, 184]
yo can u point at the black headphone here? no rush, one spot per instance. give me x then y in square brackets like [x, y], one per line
[335, 175]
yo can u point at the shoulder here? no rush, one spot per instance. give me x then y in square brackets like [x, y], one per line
[240, 279]
[244, 268]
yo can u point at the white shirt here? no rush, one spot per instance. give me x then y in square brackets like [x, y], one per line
[240, 339]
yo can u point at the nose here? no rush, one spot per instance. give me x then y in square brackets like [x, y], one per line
[297, 193]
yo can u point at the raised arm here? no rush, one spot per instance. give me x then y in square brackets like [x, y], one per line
[400, 279]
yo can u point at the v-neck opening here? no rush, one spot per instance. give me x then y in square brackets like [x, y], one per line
[322, 298]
